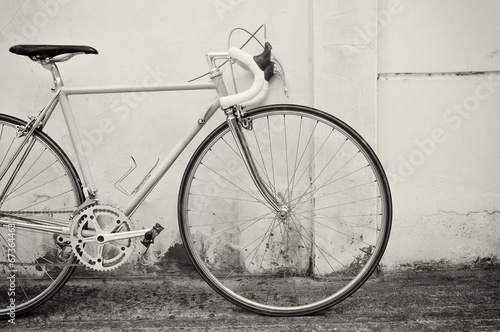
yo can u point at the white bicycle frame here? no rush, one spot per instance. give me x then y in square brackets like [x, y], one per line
[61, 93]
[139, 196]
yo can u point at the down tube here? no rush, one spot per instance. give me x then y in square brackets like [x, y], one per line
[157, 175]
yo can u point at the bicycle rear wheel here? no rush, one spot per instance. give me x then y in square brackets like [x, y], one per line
[34, 264]
[322, 250]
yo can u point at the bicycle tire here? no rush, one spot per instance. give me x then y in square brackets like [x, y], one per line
[45, 181]
[306, 261]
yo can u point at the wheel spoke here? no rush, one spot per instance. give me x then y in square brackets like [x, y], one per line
[246, 192]
[17, 186]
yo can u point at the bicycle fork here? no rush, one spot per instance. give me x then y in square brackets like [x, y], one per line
[233, 119]
[235, 125]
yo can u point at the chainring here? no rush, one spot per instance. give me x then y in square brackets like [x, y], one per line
[86, 229]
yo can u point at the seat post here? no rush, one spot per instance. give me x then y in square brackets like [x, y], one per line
[56, 76]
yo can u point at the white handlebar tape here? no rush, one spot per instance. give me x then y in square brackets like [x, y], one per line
[256, 92]
[260, 97]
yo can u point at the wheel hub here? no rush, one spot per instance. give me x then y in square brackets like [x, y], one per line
[283, 213]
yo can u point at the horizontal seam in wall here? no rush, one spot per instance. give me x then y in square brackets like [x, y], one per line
[438, 75]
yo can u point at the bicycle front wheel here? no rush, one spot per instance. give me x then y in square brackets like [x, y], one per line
[41, 187]
[319, 252]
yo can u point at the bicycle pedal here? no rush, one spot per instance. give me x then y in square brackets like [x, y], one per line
[149, 237]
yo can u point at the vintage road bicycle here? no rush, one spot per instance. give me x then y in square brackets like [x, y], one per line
[283, 209]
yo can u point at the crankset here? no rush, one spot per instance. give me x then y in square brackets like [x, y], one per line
[95, 237]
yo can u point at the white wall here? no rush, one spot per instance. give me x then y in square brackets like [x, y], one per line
[438, 132]
[165, 41]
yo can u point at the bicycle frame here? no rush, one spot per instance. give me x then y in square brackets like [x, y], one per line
[163, 167]
[61, 96]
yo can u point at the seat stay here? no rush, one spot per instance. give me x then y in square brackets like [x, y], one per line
[26, 132]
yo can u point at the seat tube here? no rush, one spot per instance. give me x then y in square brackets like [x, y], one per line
[77, 145]
[73, 131]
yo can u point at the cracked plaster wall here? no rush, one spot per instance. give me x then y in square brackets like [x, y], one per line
[332, 52]
[438, 131]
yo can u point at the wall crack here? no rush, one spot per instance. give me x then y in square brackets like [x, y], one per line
[468, 213]
[13, 17]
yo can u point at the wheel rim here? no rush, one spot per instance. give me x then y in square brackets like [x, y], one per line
[312, 254]
[39, 266]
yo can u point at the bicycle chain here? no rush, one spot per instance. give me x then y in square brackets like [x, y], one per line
[74, 212]
[38, 212]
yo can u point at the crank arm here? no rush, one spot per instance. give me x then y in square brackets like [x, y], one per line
[103, 238]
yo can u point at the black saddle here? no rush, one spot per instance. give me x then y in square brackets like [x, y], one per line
[43, 52]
